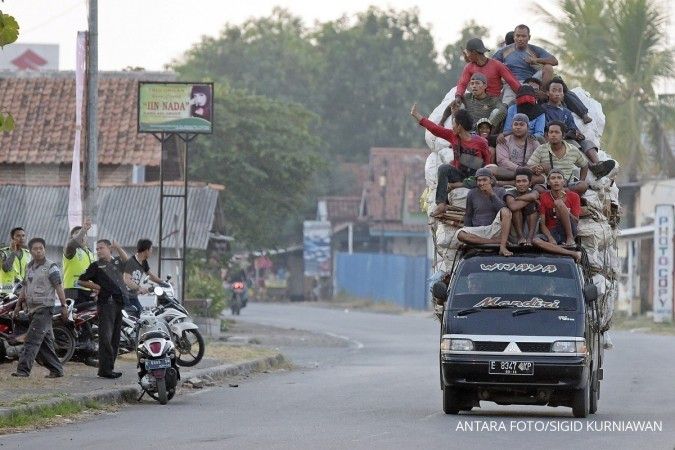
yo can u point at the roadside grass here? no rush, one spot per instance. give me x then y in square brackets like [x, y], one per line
[236, 354]
[25, 400]
[346, 301]
[642, 324]
[48, 415]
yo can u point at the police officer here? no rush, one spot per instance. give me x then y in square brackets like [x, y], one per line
[76, 258]
[104, 277]
[41, 285]
[15, 258]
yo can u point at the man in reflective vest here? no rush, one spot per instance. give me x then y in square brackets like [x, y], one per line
[76, 258]
[15, 258]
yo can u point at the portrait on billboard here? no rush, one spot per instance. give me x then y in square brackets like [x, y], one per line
[175, 107]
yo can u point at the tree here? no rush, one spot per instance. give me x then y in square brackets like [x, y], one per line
[262, 150]
[271, 56]
[357, 76]
[374, 68]
[9, 32]
[453, 53]
[617, 49]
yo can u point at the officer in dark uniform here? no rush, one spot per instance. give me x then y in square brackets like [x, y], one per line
[104, 276]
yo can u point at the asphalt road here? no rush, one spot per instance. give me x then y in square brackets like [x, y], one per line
[381, 391]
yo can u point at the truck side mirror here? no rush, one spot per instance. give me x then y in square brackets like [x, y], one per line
[440, 291]
[590, 293]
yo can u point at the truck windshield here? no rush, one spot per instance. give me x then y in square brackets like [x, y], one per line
[515, 283]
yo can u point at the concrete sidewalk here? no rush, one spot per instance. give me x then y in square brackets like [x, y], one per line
[81, 383]
[34, 393]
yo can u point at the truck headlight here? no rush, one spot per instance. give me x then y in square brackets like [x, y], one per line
[461, 345]
[569, 347]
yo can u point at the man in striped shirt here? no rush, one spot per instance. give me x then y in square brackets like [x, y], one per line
[561, 155]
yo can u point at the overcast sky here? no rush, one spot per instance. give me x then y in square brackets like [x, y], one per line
[150, 33]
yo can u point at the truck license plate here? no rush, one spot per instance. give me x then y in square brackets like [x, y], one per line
[511, 368]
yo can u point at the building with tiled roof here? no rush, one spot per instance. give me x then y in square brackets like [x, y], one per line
[391, 199]
[40, 148]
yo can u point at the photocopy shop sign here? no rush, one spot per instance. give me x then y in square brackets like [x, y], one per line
[175, 107]
[663, 263]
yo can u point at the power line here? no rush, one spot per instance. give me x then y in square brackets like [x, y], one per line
[54, 17]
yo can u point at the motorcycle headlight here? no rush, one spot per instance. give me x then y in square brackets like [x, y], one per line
[158, 291]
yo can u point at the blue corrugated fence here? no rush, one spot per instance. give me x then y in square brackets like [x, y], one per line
[397, 279]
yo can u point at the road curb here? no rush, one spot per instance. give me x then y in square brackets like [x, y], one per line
[131, 392]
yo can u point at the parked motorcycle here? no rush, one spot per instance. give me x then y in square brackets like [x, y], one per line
[83, 331]
[184, 332]
[158, 373]
[238, 300]
[13, 330]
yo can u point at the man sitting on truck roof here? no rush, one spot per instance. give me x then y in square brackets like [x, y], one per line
[529, 61]
[556, 110]
[560, 154]
[514, 150]
[560, 210]
[470, 152]
[493, 70]
[487, 219]
[481, 104]
[522, 201]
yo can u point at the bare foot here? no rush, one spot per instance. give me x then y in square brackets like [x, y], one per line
[587, 119]
[528, 243]
[504, 251]
[570, 243]
[522, 241]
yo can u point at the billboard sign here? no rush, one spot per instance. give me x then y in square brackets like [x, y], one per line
[316, 248]
[173, 107]
[663, 263]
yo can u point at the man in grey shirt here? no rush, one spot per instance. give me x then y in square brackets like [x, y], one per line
[487, 219]
[41, 285]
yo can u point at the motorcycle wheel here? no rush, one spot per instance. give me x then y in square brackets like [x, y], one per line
[64, 343]
[161, 391]
[184, 348]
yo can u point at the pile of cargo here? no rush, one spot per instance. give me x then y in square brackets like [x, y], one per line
[597, 228]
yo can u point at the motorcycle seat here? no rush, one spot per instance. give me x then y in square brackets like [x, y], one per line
[154, 335]
[84, 306]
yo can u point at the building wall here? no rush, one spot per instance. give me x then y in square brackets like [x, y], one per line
[651, 194]
[411, 246]
[60, 174]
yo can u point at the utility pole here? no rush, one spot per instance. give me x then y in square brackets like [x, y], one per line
[91, 172]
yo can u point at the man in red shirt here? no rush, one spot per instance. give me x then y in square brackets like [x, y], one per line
[560, 210]
[471, 152]
[493, 70]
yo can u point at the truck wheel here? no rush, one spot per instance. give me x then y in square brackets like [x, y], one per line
[450, 400]
[581, 399]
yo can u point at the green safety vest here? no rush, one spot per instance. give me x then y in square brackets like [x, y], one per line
[18, 270]
[76, 266]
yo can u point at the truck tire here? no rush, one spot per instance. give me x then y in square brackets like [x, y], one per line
[581, 400]
[450, 400]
